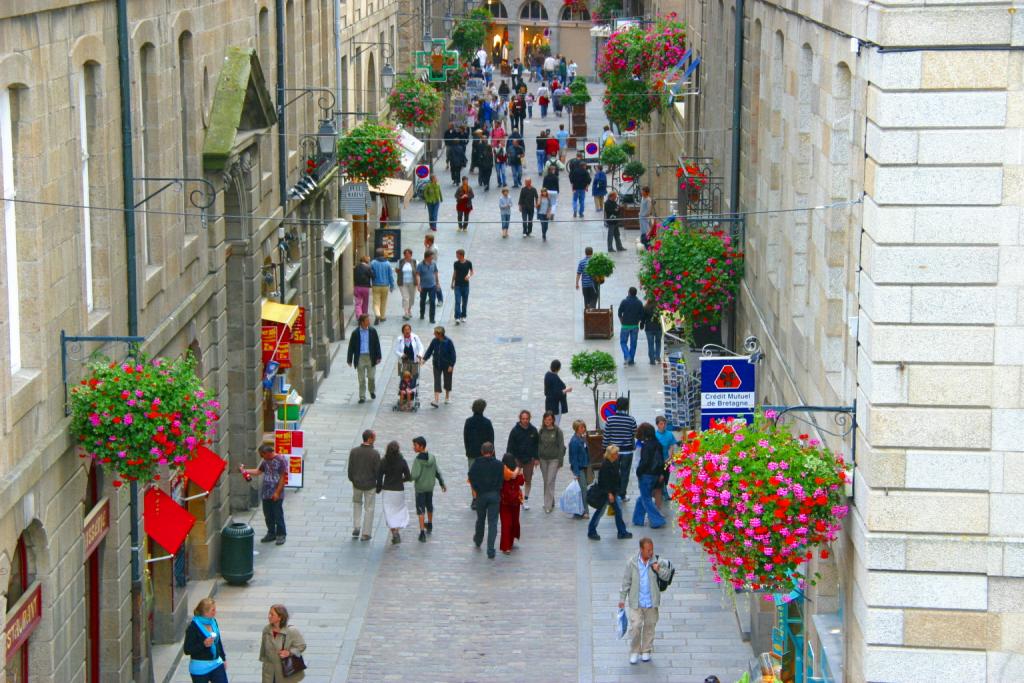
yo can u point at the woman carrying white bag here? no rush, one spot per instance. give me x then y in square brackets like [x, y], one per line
[579, 463]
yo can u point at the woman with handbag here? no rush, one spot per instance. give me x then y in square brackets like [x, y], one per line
[281, 649]
[204, 645]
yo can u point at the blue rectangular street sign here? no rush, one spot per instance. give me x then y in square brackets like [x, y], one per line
[727, 389]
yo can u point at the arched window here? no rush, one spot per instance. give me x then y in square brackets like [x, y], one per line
[22, 576]
[497, 8]
[533, 10]
[569, 14]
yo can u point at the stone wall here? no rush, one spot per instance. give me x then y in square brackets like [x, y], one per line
[908, 300]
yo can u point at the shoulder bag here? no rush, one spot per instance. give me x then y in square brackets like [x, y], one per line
[292, 664]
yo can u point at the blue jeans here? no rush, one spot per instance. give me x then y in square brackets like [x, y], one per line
[273, 515]
[500, 169]
[487, 511]
[542, 157]
[218, 675]
[432, 210]
[543, 224]
[506, 218]
[645, 503]
[428, 295]
[543, 111]
[627, 340]
[461, 299]
[517, 174]
[595, 518]
[527, 221]
[653, 345]
[577, 201]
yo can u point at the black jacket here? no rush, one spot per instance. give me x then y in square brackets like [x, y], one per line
[483, 156]
[522, 443]
[528, 198]
[392, 475]
[608, 477]
[555, 399]
[486, 475]
[550, 182]
[451, 136]
[652, 319]
[579, 177]
[611, 212]
[650, 458]
[477, 431]
[362, 275]
[194, 647]
[353, 346]
[631, 311]
[457, 154]
[441, 352]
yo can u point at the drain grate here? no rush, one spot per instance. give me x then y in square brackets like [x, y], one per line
[508, 340]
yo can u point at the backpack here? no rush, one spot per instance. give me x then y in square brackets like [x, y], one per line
[669, 570]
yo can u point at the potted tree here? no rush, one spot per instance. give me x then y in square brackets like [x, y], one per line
[594, 368]
[577, 100]
[598, 323]
[629, 200]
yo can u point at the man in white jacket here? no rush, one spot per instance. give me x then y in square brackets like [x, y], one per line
[640, 589]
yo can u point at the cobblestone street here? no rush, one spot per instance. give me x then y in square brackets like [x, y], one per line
[441, 611]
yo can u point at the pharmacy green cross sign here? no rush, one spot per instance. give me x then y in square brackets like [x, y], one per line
[437, 61]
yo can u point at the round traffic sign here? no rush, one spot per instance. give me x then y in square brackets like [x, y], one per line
[607, 410]
[591, 149]
[422, 171]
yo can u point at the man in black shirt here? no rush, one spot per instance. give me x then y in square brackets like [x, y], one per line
[486, 476]
[462, 270]
[611, 221]
[527, 205]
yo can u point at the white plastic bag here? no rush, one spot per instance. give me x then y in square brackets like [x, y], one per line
[621, 623]
[571, 501]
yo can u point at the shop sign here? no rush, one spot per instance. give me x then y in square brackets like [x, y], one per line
[727, 389]
[23, 618]
[298, 331]
[97, 524]
[290, 443]
[283, 355]
[352, 198]
[268, 341]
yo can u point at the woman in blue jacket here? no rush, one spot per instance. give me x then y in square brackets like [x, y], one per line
[579, 461]
[599, 188]
[442, 351]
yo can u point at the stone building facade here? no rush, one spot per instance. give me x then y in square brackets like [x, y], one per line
[904, 295]
[201, 278]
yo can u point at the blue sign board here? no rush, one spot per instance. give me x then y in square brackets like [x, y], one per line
[727, 389]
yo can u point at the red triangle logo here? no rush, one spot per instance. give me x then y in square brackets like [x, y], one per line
[728, 378]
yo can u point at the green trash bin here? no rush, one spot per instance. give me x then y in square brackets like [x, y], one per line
[236, 548]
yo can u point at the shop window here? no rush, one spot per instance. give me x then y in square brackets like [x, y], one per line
[22, 576]
[571, 14]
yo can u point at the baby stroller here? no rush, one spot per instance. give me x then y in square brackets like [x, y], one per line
[408, 387]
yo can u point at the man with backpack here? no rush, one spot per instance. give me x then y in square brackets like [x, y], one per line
[646, 576]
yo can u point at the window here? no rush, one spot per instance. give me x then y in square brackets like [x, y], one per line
[290, 73]
[187, 101]
[150, 126]
[8, 126]
[88, 82]
[263, 49]
[569, 14]
[497, 9]
[22, 576]
[533, 10]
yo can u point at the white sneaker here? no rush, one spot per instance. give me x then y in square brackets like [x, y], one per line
[526, 505]
[645, 657]
[633, 658]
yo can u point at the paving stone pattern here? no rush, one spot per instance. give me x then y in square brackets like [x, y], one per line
[441, 611]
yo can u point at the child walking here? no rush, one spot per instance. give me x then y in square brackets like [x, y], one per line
[424, 472]
[505, 208]
[511, 500]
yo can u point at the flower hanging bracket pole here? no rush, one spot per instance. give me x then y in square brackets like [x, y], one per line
[844, 418]
[72, 347]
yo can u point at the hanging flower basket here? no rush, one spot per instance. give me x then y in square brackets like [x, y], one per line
[413, 103]
[760, 501]
[692, 273]
[692, 179]
[135, 416]
[370, 153]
